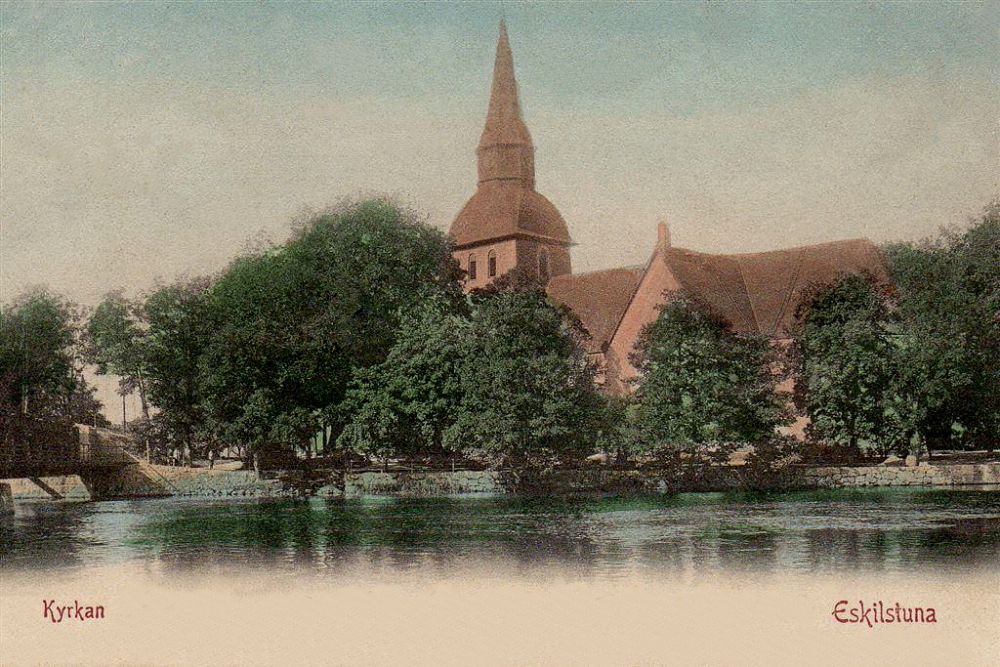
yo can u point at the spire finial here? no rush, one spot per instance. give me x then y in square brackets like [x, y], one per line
[505, 106]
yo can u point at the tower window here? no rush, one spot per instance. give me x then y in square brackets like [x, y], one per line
[543, 264]
[491, 261]
[472, 267]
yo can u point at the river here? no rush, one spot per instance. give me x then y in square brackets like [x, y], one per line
[866, 530]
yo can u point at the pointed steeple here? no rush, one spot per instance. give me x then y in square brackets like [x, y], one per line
[505, 150]
[506, 215]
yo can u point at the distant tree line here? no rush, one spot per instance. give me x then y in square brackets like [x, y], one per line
[357, 328]
[41, 365]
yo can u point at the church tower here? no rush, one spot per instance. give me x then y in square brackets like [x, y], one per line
[507, 224]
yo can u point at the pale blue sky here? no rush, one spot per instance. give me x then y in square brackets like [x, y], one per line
[151, 139]
[678, 57]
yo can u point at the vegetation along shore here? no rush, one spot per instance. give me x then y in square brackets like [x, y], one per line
[353, 346]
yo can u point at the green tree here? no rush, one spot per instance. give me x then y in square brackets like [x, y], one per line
[404, 405]
[40, 365]
[702, 384]
[37, 340]
[948, 307]
[295, 322]
[852, 382]
[616, 428]
[114, 344]
[527, 389]
[502, 379]
[180, 325]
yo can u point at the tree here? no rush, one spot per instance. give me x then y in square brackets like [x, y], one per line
[77, 405]
[40, 368]
[527, 390]
[37, 338]
[501, 377]
[180, 326]
[114, 345]
[617, 429]
[702, 384]
[852, 382]
[297, 321]
[948, 308]
[404, 405]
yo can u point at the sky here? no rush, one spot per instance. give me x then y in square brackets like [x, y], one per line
[141, 142]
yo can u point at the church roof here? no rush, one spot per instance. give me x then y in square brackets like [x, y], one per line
[598, 298]
[759, 292]
[754, 292]
[501, 209]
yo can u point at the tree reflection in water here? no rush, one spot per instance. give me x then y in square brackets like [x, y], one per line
[687, 534]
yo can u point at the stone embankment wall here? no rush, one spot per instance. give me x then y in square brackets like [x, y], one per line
[425, 484]
[69, 487]
[202, 482]
[177, 481]
[922, 475]
[199, 482]
[418, 484]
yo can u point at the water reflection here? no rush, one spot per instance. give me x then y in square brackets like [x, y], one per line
[686, 534]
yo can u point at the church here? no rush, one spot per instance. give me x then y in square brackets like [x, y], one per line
[507, 224]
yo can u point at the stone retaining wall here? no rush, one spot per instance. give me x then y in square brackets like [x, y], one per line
[922, 475]
[178, 481]
[567, 482]
[69, 486]
[199, 482]
[420, 484]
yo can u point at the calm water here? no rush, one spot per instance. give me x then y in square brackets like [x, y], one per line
[903, 530]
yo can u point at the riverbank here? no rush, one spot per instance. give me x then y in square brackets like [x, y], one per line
[222, 482]
[177, 480]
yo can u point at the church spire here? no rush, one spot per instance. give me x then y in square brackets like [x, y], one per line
[505, 150]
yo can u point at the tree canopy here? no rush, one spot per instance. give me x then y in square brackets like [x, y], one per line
[114, 341]
[294, 323]
[527, 388]
[701, 383]
[500, 376]
[948, 308]
[914, 363]
[40, 369]
[851, 368]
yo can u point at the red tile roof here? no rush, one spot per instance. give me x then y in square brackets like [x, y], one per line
[598, 298]
[755, 292]
[758, 292]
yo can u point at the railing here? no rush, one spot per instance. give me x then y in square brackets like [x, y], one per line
[37, 448]
[148, 468]
[34, 447]
[100, 447]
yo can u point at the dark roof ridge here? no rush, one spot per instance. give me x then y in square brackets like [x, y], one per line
[808, 246]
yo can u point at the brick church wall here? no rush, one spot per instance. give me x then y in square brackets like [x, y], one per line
[641, 311]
